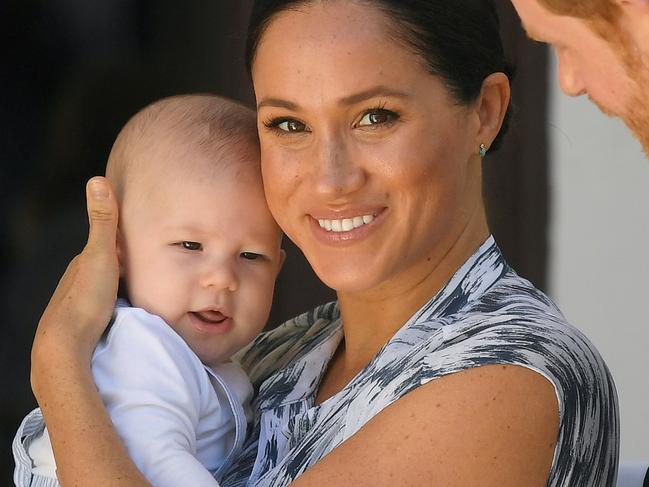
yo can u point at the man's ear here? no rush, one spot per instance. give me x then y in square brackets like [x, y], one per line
[642, 4]
[635, 23]
[637, 10]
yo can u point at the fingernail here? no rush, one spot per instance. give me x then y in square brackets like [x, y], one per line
[98, 190]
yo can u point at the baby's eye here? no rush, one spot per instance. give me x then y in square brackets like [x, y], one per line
[250, 256]
[191, 245]
[377, 116]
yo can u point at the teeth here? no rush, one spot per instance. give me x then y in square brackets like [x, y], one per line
[346, 224]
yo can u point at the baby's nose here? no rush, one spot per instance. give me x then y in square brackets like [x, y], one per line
[221, 276]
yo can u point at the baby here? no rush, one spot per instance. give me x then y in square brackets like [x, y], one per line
[199, 253]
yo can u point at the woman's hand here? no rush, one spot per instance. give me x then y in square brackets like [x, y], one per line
[87, 449]
[82, 303]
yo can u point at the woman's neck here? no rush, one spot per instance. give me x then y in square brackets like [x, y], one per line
[370, 319]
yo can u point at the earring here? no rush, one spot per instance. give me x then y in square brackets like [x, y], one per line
[483, 151]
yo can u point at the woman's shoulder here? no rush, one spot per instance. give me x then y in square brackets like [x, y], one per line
[515, 323]
[511, 323]
[275, 349]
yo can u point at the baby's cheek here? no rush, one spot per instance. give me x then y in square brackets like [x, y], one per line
[157, 294]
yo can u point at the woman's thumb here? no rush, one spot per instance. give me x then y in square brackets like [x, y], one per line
[102, 214]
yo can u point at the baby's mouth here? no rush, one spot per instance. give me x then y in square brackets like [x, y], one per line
[210, 316]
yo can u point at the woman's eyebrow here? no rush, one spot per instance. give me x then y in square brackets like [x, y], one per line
[347, 100]
[372, 93]
[278, 103]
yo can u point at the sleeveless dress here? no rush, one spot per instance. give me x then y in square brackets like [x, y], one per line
[486, 314]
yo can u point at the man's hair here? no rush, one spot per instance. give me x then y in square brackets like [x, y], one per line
[206, 124]
[603, 17]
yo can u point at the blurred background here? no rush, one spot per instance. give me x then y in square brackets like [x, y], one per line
[568, 194]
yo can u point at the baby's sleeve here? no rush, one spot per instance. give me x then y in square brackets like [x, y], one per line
[153, 387]
[32, 452]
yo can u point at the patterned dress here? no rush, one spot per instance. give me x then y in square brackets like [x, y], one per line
[486, 314]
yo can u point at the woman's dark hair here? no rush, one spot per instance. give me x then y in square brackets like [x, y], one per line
[458, 39]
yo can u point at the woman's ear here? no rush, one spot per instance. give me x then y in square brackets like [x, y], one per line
[491, 107]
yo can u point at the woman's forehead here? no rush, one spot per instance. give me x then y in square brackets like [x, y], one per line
[327, 25]
[334, 43]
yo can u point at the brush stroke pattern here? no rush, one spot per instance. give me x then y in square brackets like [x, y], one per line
[486, 314]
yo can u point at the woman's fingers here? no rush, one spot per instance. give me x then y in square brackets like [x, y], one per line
[102, 214]
[98, 268]
[83, 301]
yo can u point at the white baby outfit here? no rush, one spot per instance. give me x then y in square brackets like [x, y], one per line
[181, 421]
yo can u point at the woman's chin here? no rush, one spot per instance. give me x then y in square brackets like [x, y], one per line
[347, 278]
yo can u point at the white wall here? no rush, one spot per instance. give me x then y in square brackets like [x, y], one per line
[599, 248]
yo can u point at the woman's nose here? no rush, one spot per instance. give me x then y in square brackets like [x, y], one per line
[335, 171]
[220, 276]
[569, 76]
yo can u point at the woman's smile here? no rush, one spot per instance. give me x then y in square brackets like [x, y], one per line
[347, 230]
[345, 224]
[369, 163]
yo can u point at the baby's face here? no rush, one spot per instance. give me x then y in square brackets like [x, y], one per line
[203, 254]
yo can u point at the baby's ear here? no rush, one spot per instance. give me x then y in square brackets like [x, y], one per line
[282, 258]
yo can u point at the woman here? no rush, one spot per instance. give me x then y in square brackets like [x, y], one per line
[438, 365]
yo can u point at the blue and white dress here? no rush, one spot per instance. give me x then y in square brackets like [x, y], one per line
[486, 314]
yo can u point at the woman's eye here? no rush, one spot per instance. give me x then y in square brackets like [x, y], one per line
[377, 116]
[288, 125]
[292, 126]
[191, 245]
[250, 255]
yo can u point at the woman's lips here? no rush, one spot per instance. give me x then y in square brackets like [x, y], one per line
[348, 229]
[345, 224]
[210, 321]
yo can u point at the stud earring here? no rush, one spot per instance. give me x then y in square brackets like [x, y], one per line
[483, 151]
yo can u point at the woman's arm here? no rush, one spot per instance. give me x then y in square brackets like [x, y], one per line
[490, 426]
[87, 448]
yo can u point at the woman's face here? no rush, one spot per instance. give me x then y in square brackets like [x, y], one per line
[370, 166]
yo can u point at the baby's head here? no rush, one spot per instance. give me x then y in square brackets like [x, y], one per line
[197, 244]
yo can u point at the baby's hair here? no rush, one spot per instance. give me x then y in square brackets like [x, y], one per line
[184, 124]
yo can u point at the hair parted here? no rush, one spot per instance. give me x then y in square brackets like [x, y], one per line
[458, 40]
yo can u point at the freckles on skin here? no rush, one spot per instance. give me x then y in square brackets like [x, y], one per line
[310, 44]
[416, 171]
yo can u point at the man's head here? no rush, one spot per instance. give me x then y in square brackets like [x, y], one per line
[197, 244]
[603, 51]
